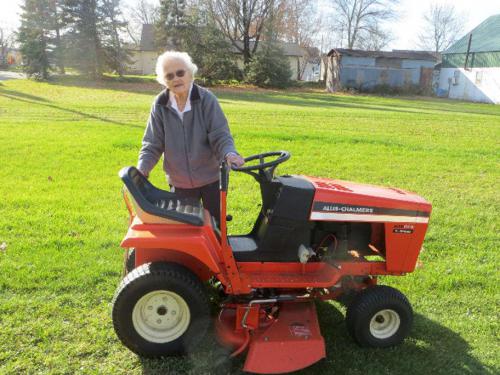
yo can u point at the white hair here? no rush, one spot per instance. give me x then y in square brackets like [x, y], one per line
[171, 55]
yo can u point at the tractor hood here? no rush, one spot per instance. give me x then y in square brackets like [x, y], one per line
[336, 200]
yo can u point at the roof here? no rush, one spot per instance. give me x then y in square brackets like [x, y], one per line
[485, 38]
[289, 49]
[148, 38]
[395, 54]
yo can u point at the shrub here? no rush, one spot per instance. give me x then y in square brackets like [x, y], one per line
[269, 67]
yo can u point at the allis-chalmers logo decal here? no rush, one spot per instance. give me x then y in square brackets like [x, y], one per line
[347, 209]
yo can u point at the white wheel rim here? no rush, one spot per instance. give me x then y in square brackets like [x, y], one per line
[161, 316]
[384, 324]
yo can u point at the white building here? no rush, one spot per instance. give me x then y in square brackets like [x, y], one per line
[470, 69]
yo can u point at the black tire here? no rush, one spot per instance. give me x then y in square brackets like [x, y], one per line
[379, 317]
[159, 282]
[130, 263]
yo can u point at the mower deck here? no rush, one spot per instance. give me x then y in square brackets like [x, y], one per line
[289, 342]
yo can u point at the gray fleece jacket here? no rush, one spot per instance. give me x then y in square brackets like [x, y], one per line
[192, 148]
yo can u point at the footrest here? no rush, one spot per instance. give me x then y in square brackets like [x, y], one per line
[291, 343]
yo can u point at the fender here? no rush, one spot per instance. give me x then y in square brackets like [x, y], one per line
[195, 244]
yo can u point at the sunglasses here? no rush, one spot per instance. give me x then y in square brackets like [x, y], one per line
[180, 73]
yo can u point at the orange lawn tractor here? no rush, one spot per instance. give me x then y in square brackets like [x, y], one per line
[314, 239]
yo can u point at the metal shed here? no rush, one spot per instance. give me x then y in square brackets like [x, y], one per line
[365, 70]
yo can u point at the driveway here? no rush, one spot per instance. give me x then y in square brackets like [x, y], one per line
[4, 75]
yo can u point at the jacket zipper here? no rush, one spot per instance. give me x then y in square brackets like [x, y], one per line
[185, 151]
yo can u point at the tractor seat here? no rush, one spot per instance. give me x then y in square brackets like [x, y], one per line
[153, 205]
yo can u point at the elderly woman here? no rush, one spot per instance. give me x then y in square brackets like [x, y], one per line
[187, 126]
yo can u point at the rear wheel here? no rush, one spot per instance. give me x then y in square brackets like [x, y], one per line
[160, 309]
[379, 317]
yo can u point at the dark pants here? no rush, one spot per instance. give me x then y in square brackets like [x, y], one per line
[209, 195]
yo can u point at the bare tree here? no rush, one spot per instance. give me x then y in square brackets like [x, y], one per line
[144, 12]
[377, 39]
[297, 21]
[443, 26]
[7, 39]
[356, 19]
[242, 22]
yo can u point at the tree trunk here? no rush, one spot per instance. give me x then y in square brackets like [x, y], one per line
[60, 55]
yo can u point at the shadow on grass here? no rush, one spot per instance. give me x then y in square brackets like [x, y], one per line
[430, 349]
[32, 99]
[17, 94]
[317, 102]
[136, 85]
[356, 102]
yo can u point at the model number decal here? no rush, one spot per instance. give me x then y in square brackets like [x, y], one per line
[298, 329]
[403, 229]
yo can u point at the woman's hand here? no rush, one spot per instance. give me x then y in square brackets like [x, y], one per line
[233, 159]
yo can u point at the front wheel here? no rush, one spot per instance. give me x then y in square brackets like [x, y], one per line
[379, 317]
[160, 309]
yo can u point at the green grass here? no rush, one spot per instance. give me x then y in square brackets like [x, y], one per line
[62, 218]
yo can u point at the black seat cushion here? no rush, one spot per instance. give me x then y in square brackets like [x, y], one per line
[159, 202]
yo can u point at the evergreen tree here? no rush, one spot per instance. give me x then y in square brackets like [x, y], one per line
[86, 52]
[191, 29]
[172, 25]
[270, 67]
[57, 25]
[34, 38]
[212, 54]
[116, 57]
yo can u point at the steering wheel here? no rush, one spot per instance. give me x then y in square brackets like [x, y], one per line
[265, 169]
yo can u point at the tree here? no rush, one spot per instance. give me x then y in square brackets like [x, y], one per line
[187, 26]
[116, 57]
[144, 12]
[297, 22]
[269, 66]
[171, 25]
[93, 36]
[86, 52]
[210, 51]
[376, 40]
[57, 24]
[242, 22]
[443, 26]
[7, 38]
[355, 20]
[34, 38]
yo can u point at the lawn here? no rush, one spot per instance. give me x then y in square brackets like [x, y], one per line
[62, 219]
